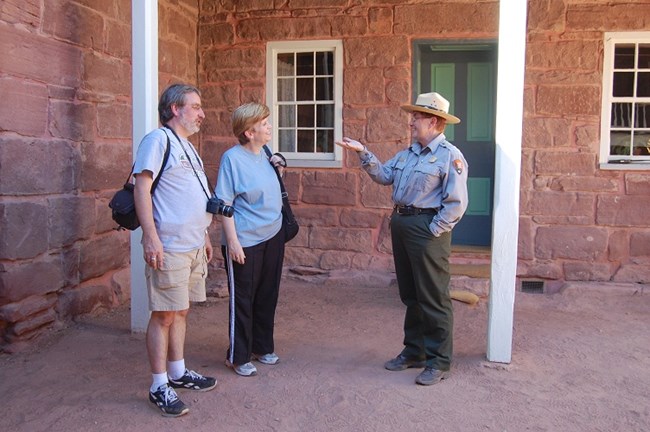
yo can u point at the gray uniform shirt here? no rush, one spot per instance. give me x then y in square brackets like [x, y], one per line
[431, 177]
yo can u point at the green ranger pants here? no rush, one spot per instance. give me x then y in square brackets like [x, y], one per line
[422, 269]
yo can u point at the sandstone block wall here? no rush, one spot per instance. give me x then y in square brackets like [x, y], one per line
[65, 147]
[578, 222]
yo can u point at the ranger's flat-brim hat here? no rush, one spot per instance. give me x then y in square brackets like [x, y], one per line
[432, 103]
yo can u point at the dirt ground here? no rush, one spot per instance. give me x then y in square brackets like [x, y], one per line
[581, 362]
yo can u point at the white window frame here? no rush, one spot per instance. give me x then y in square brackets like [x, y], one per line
[303, 160]
[607, 161]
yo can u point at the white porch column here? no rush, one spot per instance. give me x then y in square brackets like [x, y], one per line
[505, 228]
[144, 23]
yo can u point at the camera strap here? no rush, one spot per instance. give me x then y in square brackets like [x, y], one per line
[191, 164]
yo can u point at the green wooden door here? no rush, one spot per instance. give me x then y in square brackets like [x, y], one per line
[466, 76]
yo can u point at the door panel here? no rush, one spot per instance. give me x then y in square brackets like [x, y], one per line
[466, 76]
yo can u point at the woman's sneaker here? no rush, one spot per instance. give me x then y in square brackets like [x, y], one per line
[269, 359]
[193, 381]
[246, 369]
[166, 399]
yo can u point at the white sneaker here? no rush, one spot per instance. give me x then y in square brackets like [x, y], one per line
[246, 369]
[269, 359]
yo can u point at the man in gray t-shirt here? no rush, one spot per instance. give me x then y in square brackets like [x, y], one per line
[175, 242]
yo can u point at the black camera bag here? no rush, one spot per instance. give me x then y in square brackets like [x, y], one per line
[123, 202]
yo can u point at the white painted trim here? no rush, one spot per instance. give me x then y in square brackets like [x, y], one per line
[505, 228]
[610, 39]
[328, 160]
[145, 118]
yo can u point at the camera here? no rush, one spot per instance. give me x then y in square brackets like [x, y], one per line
[217, 206]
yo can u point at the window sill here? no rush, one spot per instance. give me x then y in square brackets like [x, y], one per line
[626, 166]
[304, 163]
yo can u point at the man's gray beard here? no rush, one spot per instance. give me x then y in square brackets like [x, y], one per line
[190, 127]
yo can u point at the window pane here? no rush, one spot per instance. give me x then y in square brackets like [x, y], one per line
[643, 84]
[621, 115]
[325, 116]
[642, 115]
[644, 56]
[285, 64]
[287, 116]
[624, 56]
[305, 89]
[285, 89]
[305, 63]
[641, 146]
[287, 140]
[324, 63]
[306, 141]
[305, 116]
[619, 143]
[623, 84]
[325, 141]
[325, 89]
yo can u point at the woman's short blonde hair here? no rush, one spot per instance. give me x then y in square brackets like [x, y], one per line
[245, 116]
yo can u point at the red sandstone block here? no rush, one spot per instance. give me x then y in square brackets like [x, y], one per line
[637, 184]
[118, 39]
[586, 271]
[626, 16]
[633, 273]
[640, 245]
[26, 12]
[22, 164]
[387, 124]
[100, 255]
[84, 300]
[364, 86]
[549, 203]
[63, 61]
[561, 100]
[374, 195]
[73, 121]
[34, 322]
[348, 26]
[332, 188]
[20, 280]
[71, 22]
[105, 166]
[72, 218]
[576, 243]
[546, 15]
[584, 184]
[24, 230]
[450, 17]
[573, 55]
[341, 239]
[380, 20]
[216, 35]
[114, 120]
[361, 218]
[14, 312]
[107, 75]
[546, 132]
[322, 216]
[336, 260]
[623, 210]
[24, 107]
[564, 163]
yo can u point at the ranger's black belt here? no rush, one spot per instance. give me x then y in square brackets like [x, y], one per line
[410, 210]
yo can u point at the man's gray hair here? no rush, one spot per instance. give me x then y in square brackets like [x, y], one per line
[173, 95]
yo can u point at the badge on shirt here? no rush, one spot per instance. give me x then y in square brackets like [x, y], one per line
[433, 159]
[458, 165]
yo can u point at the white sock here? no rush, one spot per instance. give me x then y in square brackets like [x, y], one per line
[158, 380]
[176, 368]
